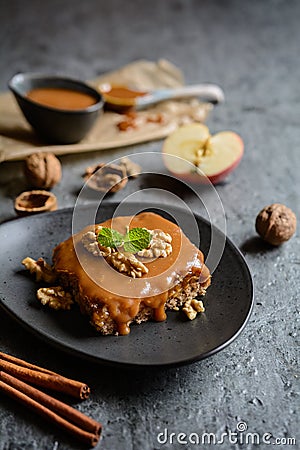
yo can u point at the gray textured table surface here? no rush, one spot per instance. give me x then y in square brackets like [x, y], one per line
[252, 50]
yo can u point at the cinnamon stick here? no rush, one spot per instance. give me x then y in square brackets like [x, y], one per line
[55, 405]
[85, 436]
[21, 362]
[49, 380]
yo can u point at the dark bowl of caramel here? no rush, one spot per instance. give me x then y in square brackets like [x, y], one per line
[61, 110]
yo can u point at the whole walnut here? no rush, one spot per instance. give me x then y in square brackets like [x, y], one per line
[42, 170]
[276, 223]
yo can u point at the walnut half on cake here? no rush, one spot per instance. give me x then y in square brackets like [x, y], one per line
[131, 269]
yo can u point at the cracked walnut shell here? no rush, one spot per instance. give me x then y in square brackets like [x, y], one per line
[132, 169]
[106, 177]
[276, 223]
[42, 170]
[35, 202]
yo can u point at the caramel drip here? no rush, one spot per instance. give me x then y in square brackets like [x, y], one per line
[122, 295]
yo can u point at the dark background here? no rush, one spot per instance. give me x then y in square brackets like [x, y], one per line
[252, 50]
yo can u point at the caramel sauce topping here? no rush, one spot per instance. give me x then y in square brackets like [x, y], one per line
[122, 92]
[61, 98]
[122, 295]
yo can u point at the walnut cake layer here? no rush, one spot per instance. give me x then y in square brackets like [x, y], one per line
[115, 289]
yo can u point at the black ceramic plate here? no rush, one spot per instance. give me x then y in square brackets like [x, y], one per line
[173, 342]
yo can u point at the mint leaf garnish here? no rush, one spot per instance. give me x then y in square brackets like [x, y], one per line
[107, 237]
[136, 240]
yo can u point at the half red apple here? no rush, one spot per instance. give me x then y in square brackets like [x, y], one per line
[201, 156]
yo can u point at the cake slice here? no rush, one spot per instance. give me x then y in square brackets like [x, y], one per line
[115, 287]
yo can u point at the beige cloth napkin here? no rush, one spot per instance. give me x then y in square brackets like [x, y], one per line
[17, 139]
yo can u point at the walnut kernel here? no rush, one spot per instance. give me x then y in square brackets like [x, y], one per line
[128, 264]
[128, 121]
[42, 170]
[125, 263]
[160, 245]
[55, 297]
[91, 244]
[276, 223]
[41, 270]
[192, 307]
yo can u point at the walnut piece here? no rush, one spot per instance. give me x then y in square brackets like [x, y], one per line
[42, 170]
[128, 122]
[192, 307]
[35, 202]
[128, 264]
[125, 263]
[91, 244]
[155, 118]
[55, 297]
[41, 270]
[276, 223]
[106, 177]
[132, 120]
[160, 245]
